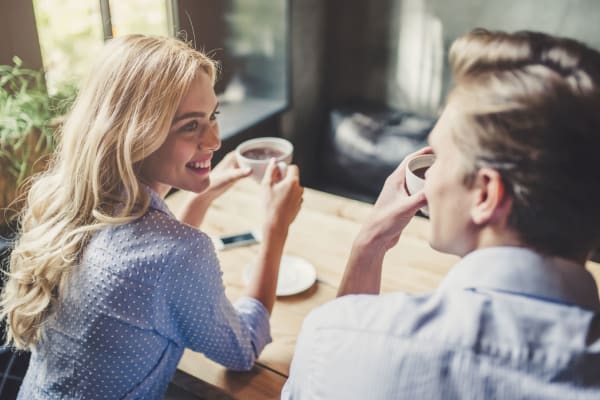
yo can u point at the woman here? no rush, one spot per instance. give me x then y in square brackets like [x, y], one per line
[106, 287]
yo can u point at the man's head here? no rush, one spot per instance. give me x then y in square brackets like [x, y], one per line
[525, 109]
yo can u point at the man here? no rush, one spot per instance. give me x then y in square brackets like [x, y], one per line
[515, 191]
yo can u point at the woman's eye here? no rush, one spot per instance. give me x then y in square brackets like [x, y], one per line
[214, 115]
[190, 126]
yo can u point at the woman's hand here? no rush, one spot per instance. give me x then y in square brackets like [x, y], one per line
[223, 176]
[282, 196]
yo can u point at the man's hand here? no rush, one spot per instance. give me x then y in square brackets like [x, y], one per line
[391, 213]
[394, 207]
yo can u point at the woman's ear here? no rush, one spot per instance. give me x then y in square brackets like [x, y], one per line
[491, 203]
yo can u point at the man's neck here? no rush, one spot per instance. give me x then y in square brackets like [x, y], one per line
[492, 237]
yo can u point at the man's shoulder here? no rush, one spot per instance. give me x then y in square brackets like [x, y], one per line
[399, 314]
[367, 312]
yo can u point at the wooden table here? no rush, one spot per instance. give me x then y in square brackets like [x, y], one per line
[322, 233]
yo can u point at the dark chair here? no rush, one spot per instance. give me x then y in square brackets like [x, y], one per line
[13, 364]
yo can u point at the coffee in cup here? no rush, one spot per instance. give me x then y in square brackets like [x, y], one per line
[415, 174]
[256, 154]
[262, 153]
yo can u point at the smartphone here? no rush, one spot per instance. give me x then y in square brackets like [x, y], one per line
[241, 239]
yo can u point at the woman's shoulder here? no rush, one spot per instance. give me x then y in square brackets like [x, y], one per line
[149, 244]
[155, 233]
[160, 226]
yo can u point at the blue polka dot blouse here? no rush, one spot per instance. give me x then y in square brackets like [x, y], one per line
[142, 293]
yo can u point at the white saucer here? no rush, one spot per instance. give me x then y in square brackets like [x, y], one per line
[295, 275]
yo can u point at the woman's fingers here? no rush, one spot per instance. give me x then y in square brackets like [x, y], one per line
[272, 173]
[233, 175]
[292, 171]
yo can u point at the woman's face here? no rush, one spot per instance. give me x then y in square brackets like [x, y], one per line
[449, 200]
[184, 159]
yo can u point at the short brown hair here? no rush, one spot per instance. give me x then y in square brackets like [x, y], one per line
[529, 106]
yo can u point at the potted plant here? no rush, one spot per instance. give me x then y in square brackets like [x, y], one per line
[29, 115]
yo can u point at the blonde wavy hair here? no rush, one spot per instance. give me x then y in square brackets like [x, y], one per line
[122, 114]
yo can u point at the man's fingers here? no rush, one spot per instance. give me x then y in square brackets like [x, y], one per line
[416, 200]
[402, 166]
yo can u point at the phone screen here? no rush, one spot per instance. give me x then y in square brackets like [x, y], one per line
[244, 237]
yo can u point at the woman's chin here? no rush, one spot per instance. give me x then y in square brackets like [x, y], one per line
[199, 187]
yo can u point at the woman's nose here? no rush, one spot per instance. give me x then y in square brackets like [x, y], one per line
[212, 139]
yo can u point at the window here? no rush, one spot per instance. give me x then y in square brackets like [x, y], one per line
[69, 37]
[250, 38]
[426, 29]
[72, 34]
[137, 16]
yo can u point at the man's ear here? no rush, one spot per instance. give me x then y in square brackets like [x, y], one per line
[491, 203]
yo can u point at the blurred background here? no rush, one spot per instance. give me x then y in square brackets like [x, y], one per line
[355, 85]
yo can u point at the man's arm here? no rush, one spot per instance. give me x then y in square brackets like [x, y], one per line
[392, 211]
[363, 270]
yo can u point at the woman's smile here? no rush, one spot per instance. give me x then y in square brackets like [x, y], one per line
[199, 167]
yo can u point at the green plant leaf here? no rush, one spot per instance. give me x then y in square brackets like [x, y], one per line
[26, 107]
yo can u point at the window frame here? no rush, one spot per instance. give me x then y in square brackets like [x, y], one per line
[19, 36]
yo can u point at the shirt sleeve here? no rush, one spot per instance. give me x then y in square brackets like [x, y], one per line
[193, 311]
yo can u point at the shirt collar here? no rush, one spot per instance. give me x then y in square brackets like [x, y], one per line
[523, 271]
[157, 203]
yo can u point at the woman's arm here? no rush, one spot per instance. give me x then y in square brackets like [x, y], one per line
[192, 310]
[282, 201]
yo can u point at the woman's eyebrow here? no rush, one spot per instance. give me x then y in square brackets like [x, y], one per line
[189, 115]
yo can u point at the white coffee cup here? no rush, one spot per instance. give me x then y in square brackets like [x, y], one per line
[256, 154]
[415, 174]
